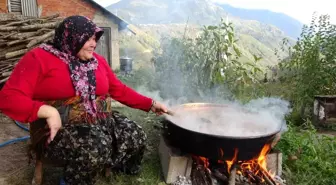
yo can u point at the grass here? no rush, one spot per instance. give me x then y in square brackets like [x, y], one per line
[309, 157]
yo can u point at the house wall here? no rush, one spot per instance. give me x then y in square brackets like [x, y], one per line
[82, 7]
[66, 8]
[79, 7]
[103, 21]
[3, 6]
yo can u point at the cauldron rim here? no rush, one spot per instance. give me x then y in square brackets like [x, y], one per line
[216, 135]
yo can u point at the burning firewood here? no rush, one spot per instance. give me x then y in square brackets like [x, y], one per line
[201, 176]
[19, 35]
[234, 172]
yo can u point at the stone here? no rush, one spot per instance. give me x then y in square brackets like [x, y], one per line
[274, 162]
[173, 164]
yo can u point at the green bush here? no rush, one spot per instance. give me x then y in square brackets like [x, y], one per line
[315, 153]
[310, 66]
[192, 67]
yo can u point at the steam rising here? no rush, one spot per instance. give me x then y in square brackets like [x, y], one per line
[258, 117]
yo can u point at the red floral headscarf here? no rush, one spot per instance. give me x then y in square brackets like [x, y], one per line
[70, 37]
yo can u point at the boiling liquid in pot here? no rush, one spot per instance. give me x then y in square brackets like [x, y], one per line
[225, 121]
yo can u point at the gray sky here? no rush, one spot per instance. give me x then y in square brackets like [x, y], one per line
[299, 9]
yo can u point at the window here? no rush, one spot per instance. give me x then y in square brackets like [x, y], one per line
[104, 45]
[23, 7]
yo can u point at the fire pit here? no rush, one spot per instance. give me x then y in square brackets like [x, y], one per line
[186, 169]
[224, 142]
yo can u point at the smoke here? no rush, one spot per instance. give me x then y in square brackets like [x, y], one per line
[274, 108]
[255, 118]
[258, 117]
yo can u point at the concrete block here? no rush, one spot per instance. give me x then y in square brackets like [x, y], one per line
[274, 162]
[173, 163]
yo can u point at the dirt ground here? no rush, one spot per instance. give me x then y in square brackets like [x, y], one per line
[13, 157]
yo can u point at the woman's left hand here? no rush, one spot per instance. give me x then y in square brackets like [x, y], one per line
[158, 108]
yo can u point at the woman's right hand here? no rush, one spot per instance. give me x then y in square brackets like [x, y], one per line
[53, 119]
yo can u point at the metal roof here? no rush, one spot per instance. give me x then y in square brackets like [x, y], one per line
[121, 22]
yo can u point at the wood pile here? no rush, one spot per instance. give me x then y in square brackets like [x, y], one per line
[19, 35]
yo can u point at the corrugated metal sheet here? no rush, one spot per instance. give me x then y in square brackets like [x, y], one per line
[29, 8]
[15, 6]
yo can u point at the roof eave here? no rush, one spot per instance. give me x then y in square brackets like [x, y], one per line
[122, 24]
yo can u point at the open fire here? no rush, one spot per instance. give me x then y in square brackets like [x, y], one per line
[231, 172]
[227, 144]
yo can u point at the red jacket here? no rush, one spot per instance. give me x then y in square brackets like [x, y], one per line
[40, 76]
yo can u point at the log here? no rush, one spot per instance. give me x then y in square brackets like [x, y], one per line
[9, 19]
[4, 66]
[8, 35]
[220, 176]
[4, 80]
[40, 39]
[47, 18]
[38, 26]
[6, 74]
[199, 176]
[23, 35]
[268, 179]
[232, 177]
[16, 23]
[12, 64]
[13, 17]
[15, 53]
[15, 42]
[9, 28]
[29, 27]
[4, 69]
[19, 34]
[11, 49]
[9, 61]
[43, 30]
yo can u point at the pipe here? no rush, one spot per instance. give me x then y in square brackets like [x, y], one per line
[24, 138]
[21, 126]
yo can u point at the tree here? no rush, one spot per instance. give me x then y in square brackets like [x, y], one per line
[311, 66]
[210, 60]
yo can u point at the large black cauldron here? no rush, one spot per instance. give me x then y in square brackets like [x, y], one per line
[214, 147]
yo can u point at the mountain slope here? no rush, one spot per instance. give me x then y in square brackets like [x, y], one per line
[289, 25]
[167, 11]
[162, 17]
[246, 43]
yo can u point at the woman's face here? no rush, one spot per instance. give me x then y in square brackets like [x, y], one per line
[87, 50]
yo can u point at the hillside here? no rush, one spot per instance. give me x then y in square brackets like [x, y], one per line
[246, 42]
[289, 25]
[167, 11]
[169, 17]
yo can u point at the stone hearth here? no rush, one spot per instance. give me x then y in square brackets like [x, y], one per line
[175, 164]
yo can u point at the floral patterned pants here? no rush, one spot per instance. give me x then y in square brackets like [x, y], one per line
[116, 142]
